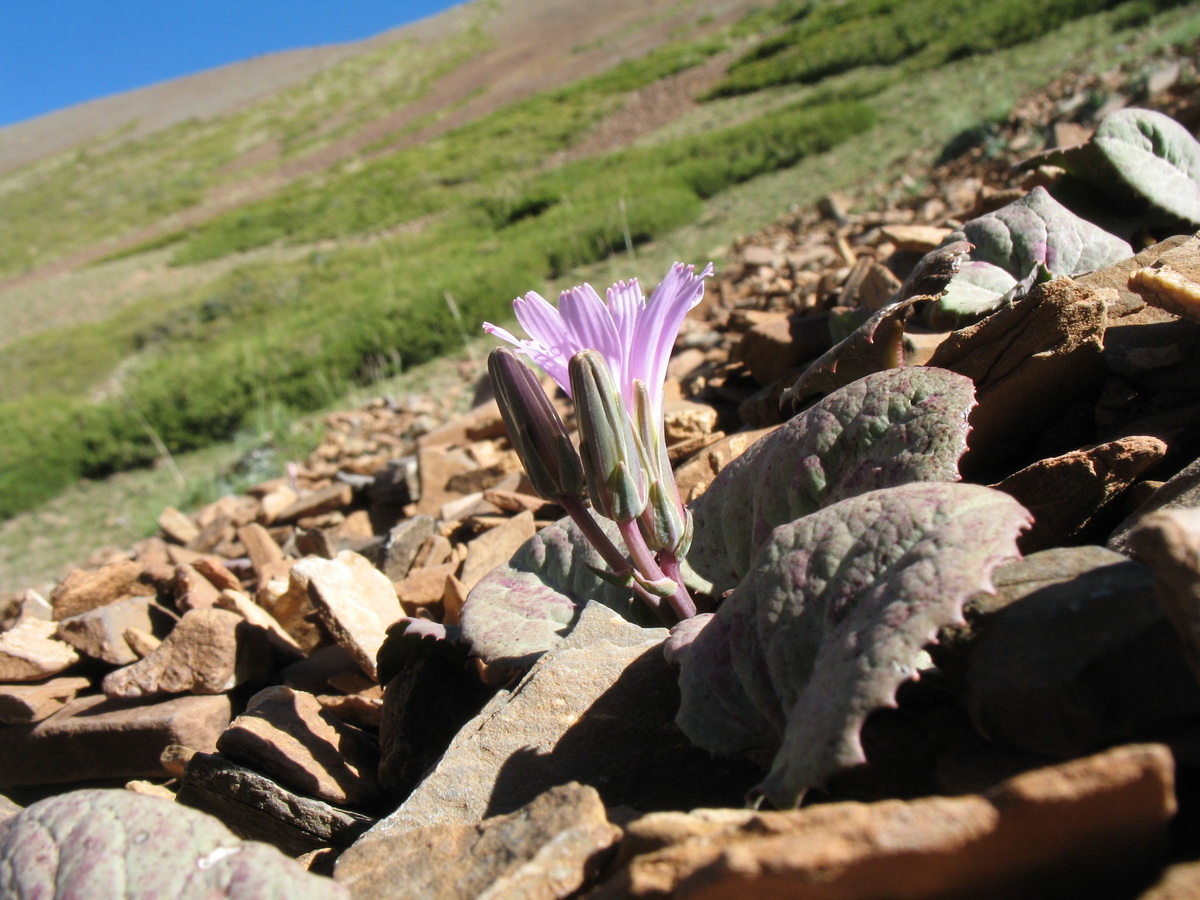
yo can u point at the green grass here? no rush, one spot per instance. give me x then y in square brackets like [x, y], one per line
[915, 35]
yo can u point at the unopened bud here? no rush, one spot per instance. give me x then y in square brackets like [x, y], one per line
[535, 428]
[611, 449]
[665, 523]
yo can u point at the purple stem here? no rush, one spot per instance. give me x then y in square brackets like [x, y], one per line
[616, 560]
[644, 561]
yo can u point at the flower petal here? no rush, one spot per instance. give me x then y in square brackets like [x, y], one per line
[659, 325]
[591, 327]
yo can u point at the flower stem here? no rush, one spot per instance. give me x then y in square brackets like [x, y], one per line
[681, 602]
[579, 514]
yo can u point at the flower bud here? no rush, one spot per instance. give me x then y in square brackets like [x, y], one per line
[612, 452]
[535, 428]
[665, 523]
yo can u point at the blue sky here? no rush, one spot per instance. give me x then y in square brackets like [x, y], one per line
[55, 53]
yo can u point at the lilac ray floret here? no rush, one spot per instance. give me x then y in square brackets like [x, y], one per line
[635, 336]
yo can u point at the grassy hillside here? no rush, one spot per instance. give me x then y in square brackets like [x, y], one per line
[223, 271]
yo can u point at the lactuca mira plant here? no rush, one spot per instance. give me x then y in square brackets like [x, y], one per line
[610, 355]
[837, 546]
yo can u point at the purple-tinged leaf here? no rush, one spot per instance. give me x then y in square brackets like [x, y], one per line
[118, 845]
[523, 607]
[1016, 243]
[890, 428]
[830, 621]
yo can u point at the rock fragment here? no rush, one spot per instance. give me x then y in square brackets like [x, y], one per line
[30, 652]
[1169, 541]
[210, 651]
[1066, 493]
[1097, 824]
[21, 704]
[100, 633]
[286, 735]
[255, 807]
[1051, 336]
[548, 850]
[599, 706]
[356, 602]
[81, 590]
[94, 737]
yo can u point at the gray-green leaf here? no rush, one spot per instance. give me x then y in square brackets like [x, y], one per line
[1143, 153]
[118, 845]
[830, 620]
[1014, 243]
[889, 428]
[521, 609]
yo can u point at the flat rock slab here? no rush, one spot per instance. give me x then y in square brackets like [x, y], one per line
[1070, 654]
[599, 709]
[210, 651]
[100, 633]
[82, 590]
[355, 600]
[255, 807]
[30, 652]
[94, 737]
[1096, 826]
[289, 736]
[547, 850]
[22, 704]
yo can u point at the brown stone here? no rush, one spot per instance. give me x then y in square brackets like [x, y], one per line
[217, 573]
[772, 348]
[686, 419]
[1065, 493]
[336, 496]
[193, 590]
[1169, 542]
[1127, 306]
[256, 808]
[1180, 492]
[436, 466]
[282, 642]
[424, 587]
[548, 850]
[1051, 337]
[210, 651]
[264, 553]
[100, 633]
[495, 546]
[356, 603]
[287, 735]
[481, 422]
[695, 475]
[1172, 281]
[21, 704]
[29, 652]
[436, 550]
[177, 527]
[599, 706]
[1090, 825]
[96, 737]
[82, 590]
[403, 544]
[915, 238]
[288, 602]
[1178, 882]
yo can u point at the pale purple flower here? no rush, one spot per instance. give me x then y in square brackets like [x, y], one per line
[634, 335]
